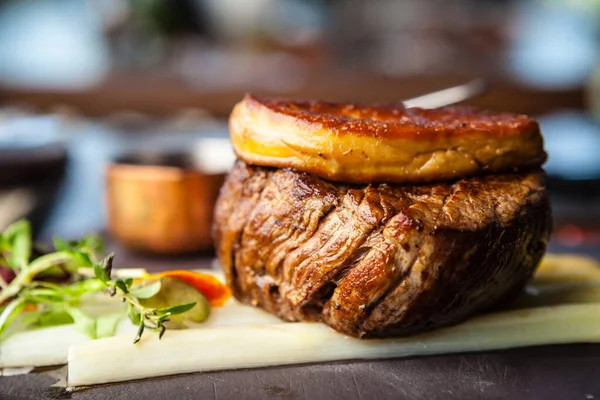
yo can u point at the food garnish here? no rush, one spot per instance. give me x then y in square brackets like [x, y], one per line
[173, 290]
[47, 288]
[212, 288]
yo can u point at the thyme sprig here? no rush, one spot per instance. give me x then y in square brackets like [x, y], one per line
[144, 317]
[28, 279]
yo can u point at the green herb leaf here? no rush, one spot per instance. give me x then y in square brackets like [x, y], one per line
[107, 262]
[94, 245]
[4, 243]
[21, 251]
[90, 244]
[85, 286]
[60, 245]
[129, 282]
[56, 272]
[163, 318]
[122, 286]
[18, 238]
[81, 255]
[29, 318]
[44, 295]
[146, 291]
[174, 310]
[81, 259]
[106, 325]
[52, 318]
[103, 270]
[140, 331]
[83, 321]
[133, 314]
[10, 313]
[46, 261]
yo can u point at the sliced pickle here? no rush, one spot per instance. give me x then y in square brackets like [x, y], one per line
[174, 292]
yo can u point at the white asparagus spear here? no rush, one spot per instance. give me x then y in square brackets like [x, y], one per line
[46, 346]
[49, 346]
[117, 359]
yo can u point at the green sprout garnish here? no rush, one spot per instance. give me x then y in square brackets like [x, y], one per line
[54, 284]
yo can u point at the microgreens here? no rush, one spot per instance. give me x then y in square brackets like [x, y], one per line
[28, 279]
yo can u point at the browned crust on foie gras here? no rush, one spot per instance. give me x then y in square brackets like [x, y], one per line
[346, 142]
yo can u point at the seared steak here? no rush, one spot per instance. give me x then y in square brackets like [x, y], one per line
[378, 260]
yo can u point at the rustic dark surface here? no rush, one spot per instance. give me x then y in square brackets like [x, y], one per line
[549, 372]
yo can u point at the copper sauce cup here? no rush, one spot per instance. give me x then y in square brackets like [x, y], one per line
[161, 203]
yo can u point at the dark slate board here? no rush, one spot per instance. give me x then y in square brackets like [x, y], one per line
[548, 372]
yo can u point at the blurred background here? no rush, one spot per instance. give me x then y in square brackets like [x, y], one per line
[84, 81]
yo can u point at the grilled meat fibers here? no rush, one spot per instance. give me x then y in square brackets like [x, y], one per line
[378, 260]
